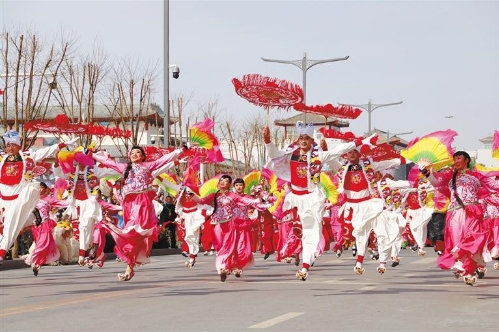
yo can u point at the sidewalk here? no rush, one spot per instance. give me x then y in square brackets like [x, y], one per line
[18, 263]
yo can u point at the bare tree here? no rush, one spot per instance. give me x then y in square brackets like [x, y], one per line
[129, 98]
[29, 78]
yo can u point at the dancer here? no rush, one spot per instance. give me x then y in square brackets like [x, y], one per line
[46, 251]
[390, 223]
[229, 210]
[464, 230]
[134, 241]
[361, 205]
[83, 208]
[491, 220]
[301, 165]
[193, 216]
[19, 195]
[265, 222]
[419, 212]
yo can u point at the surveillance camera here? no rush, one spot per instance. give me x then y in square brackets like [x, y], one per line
[176, 72]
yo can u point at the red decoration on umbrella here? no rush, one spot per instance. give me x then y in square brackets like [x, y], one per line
[154, 153]
[268, 92]
[331, 133]
[381, 152]
[62, 125]
[342, 111]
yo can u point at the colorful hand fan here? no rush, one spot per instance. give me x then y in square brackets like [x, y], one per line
[495, 145]
[274, 182]
[168, 183]
[205, 142]
[251, 180]
[280, 199]
[487, 171]
[202, 139]
[111, 179]
[431, 150]
[209, 187]
[329, 184]
[60, 186]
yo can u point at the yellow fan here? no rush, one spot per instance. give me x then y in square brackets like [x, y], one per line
[209, 187]
[280, 197]
[431, 150]
[168, 183]
[202, 139]
[250, 180]
[329, 184]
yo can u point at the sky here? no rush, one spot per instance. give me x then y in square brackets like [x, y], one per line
[440, 58]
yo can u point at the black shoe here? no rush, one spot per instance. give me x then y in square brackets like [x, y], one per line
[223, 276]
[185, 254]
[415, 247]
[395, 263]
[266, 255]
[354, 251]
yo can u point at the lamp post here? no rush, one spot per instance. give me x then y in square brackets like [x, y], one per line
[393, 135]
[369, 107]
[305, 64]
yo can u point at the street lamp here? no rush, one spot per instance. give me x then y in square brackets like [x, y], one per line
[393, 135]
[305, 64]
[369, 107]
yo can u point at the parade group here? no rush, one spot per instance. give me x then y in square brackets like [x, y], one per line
[307, 197]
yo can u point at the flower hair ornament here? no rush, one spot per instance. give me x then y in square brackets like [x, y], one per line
[305, 129]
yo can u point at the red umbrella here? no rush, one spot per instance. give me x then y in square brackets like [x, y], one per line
[331, 133]
[62, 125]
[268, 92]
[328, 110]
[381, 152]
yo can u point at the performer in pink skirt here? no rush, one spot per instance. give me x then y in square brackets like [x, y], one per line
[46, 251]
[134, 241]
[465, 235]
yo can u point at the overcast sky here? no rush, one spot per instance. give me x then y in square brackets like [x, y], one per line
[441, 58]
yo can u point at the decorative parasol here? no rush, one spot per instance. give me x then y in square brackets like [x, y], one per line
[328, 110]
[154, 153]
[331, 133]
[381, 152]
[61, 125]
[432, 150]
[268, 92]
[495, 145]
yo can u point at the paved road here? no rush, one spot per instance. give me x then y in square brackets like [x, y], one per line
[165, 296]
